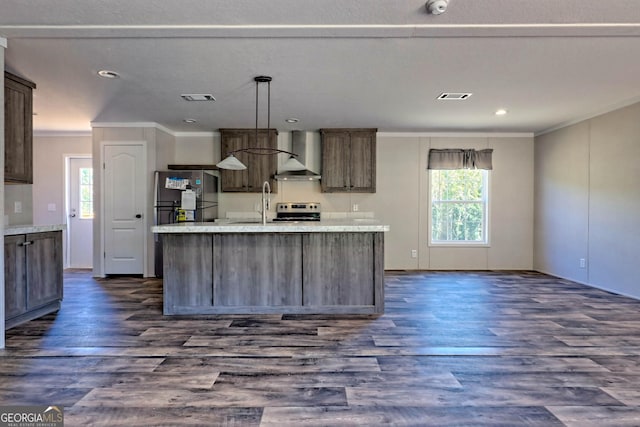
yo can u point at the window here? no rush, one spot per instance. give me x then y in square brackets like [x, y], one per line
[86, 193]
[459, 206]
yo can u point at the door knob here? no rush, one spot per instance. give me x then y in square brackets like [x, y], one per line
[72, 215]
[138, 215]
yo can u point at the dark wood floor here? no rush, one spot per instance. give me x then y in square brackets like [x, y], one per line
[452, 349]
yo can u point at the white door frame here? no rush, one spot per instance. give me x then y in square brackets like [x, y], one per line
[145, 225]
[66, 196]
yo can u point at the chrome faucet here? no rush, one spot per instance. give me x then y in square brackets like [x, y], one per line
[266, 201]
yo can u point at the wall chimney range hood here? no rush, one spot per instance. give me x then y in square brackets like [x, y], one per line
[301, 146]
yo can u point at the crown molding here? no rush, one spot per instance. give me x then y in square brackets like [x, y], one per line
[132, 125]
[155, 125]
[456, 134]
[605, 29]
[196, 134]
[62, 133]
[602, 112]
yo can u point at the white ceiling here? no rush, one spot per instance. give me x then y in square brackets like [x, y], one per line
[334, 63]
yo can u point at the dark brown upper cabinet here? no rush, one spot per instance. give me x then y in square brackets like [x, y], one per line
[348, 160]
[18, 129]
[260, 167]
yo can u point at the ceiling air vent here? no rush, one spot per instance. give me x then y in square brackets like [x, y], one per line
[197, 97]
[455, 96]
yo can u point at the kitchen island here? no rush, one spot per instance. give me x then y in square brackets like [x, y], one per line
[326, 267]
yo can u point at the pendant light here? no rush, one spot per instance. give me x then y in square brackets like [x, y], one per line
[231, 162]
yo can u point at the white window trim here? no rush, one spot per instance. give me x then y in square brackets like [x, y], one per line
[80, 201]
[460, 244]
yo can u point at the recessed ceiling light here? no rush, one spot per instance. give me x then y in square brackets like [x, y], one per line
[108, 74]
[189, 120]
[198, 97]
[292, 120]
[501, 112]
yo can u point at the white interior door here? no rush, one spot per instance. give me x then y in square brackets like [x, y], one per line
[124, 203]
[80, 212]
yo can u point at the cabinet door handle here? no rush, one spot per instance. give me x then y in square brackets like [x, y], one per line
[27, 243]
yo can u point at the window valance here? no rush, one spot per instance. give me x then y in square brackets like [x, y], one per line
[460, 159]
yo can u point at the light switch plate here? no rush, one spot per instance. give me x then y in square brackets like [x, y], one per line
[51, 207]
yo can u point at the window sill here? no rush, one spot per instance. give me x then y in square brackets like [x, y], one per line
[459, 245]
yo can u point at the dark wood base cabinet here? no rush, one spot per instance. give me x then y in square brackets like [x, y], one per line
[33, 276]
[249, 273]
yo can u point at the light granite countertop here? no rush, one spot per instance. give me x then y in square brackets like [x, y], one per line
[361, 225]
[12, 230]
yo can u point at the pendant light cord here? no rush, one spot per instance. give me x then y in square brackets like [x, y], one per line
[256, 141]
[267, 80]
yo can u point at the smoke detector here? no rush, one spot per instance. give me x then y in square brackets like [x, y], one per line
[436, 7]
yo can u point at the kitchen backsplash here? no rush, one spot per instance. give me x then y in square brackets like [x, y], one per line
[324, 215]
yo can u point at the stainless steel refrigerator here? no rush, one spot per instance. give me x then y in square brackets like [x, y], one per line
[169, 186]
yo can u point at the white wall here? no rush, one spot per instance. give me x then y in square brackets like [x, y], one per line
[164, 150]
[398, 199]
[197, 149]
[48, 188]
[511, 204]
[49, 156]
[587, 201]
[562, 202]
[614, 201]
[401, 197]
[22, 194]
[403, 202]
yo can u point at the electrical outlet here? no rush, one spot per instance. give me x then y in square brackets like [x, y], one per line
[51, 207]
[355, 207]
[414, 253]
[17, 207]
[583, 263]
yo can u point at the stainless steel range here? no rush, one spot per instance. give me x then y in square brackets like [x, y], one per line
[297, 211]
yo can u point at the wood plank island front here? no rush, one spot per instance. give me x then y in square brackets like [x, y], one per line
[226, 268]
